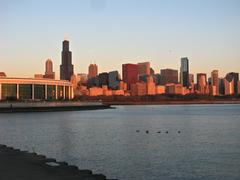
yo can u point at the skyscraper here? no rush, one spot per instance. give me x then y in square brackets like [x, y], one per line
[238, 87]
[157, 78]
[92, 71]
[143, 68]
[221, 86]
[228, 87]
[235, 77]
[103, 79]
[113, 80]
[184, 72]
[215, 81]
[49, 70]
[66, 68]
[201, 83]
[130, 73]
[191, 78]
[169, 76]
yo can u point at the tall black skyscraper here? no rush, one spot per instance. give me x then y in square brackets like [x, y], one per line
[235, 77]
[184, 72]
[66, 68]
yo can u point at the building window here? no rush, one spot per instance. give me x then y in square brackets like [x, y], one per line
[25, 91]
[39, 92]
[67, 92]
[51, 92]
[60, 92]
[9, 91]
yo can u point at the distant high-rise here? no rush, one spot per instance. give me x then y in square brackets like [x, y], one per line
[201, 83]
[215, 80]
[103, 79]
[113, 80]
[66, 68]
[157, 78]
[130, 73]
[235, 77]
[228, 87]
[238, 87]
[221, 86]
[169, 76]
[152, 72]
[93, 82]
[82, 78]
[49, 70]
[144, 68]
[92, 71]
[202, 79]
[184, 72]
[191, 78]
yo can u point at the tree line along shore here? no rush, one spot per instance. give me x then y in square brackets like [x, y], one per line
[163, 99]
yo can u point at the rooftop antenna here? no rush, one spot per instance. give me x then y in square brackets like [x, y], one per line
[66, 37]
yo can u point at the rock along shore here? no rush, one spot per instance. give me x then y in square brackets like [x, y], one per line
[22, 165]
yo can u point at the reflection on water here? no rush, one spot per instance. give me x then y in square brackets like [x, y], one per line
[107, 141]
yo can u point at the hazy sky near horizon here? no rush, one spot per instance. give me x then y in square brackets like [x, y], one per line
[113, 32]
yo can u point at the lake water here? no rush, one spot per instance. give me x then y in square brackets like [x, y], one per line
[106, 141]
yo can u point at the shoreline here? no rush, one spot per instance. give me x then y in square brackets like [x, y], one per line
[195, 102]
[19, 107]
[23, 165]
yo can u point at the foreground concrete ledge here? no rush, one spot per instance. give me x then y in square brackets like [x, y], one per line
[22, 165]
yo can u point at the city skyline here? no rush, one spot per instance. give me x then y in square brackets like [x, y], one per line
[66, 45]
[208, 35]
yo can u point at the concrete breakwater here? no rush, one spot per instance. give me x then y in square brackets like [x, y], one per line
[22, 165]
[8, 107]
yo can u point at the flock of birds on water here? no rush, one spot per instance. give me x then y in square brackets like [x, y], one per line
[166, 132]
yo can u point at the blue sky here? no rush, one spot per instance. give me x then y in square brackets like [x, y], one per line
[113, 32]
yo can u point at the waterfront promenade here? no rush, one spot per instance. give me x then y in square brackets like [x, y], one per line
[22, 165]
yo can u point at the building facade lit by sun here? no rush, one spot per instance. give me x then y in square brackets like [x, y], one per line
[130, 73]
[35, 89]
[49, 70]
[92, 71]
[144, 68]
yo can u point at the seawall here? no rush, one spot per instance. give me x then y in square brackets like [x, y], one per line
[22, 165]
[8, 107]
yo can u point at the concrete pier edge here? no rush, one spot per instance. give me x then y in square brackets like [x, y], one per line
[23, 165]
[21, 107]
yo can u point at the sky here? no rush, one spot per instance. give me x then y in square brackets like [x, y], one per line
[113, 32]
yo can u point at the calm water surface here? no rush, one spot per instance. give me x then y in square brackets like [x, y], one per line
[106, 141]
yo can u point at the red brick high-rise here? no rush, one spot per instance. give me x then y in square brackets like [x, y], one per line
[130, 73]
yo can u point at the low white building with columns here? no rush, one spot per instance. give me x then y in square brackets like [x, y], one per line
[35, 89]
